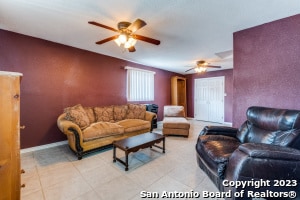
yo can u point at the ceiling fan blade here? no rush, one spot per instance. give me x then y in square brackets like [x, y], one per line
[131, 49]
[190, 69]
[211, 66]
[107, 39]
[146, 39]
[136, 25]
[103, 26]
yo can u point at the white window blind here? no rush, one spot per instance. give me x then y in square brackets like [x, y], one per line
[140, 84]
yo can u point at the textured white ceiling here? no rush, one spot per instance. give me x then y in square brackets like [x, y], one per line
[189, 30]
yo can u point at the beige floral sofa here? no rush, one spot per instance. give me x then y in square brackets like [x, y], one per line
[91, 128]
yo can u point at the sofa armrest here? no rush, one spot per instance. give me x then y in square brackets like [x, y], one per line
[256, 161]
[219, 130]
[72, 131]
[66, 126]
[150, 116]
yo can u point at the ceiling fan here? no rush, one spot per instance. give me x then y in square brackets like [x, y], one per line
[202, 66]
[126, 36]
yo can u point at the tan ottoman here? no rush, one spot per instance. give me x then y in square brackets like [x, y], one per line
[174, 122]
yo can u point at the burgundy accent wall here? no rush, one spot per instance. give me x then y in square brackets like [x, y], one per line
[266, 67]
[228, 74]
[57, 76]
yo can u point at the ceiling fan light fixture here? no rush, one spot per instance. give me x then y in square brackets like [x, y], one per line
[131, 42]
[127, 45]
[122, 38]
[201, 63]
[126, 37]
[117, 41]
[202, 66]
[200, 69]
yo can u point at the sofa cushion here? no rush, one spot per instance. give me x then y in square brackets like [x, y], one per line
[216, 150]
[100, 130]
[176, 123]
[273, 119]
[136, 111]
[77, 115]
[270, 126]
[90, 113]
[120, 112]
[219, 147]
[104, 114]
[131, 125]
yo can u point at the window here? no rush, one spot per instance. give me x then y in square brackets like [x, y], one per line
[140, 84]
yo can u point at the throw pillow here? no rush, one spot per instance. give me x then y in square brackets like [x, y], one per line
[120, 112]
[136, 111]
[90, 113]
[104, 114]
[77, 115]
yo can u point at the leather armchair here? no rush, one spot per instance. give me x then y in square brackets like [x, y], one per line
[265, 148]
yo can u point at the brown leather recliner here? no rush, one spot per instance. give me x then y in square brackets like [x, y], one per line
[264, 149]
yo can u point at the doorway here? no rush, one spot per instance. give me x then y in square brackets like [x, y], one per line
[209, 99]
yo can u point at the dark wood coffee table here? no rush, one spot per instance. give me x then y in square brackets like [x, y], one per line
[135, 143]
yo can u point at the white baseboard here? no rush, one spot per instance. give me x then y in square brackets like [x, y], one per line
[46, 146]
[228, 123]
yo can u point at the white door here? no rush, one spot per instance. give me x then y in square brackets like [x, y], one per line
[209, 99]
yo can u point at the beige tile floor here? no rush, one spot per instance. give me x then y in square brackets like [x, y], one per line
[55, 173]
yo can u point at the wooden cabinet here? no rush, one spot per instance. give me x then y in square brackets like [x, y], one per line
[10, 173]
[178, 91]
